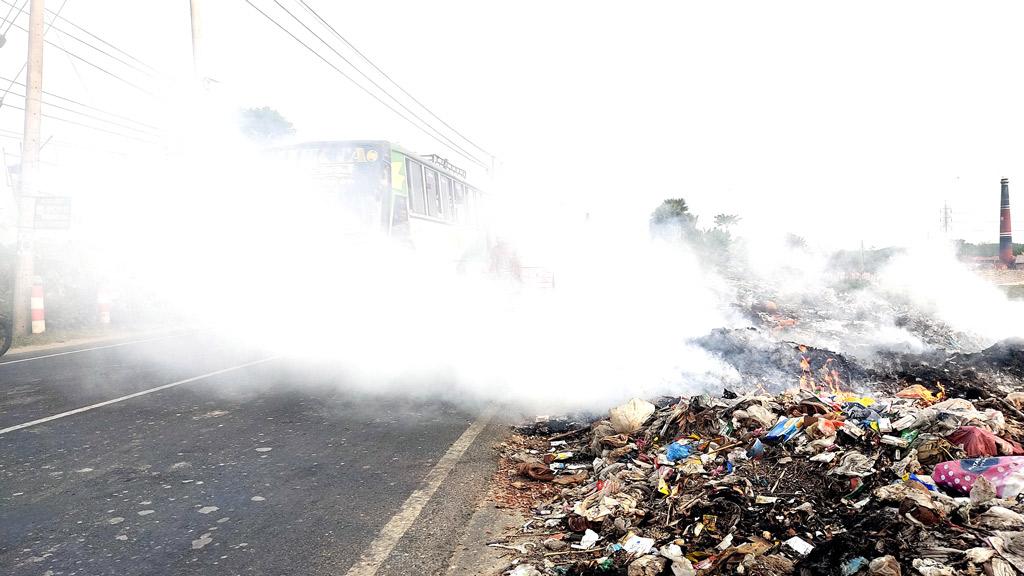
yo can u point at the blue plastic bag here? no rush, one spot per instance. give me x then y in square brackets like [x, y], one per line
[677, 451]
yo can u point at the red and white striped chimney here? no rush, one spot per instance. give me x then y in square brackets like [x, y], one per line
[1005, 232]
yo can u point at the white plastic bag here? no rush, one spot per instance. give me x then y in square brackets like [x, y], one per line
[629, 417]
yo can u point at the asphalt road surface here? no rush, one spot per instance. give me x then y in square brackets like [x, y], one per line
[242, 463]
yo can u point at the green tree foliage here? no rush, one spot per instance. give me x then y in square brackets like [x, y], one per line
[990, 249]
[796, 242]
[726, 220]
[264, 124]
[672, 220]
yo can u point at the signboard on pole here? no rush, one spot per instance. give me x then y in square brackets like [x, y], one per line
[53, 213]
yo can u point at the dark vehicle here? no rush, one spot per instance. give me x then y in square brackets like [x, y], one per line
[6, 300]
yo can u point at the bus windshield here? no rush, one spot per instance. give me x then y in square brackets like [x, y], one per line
[357, 175]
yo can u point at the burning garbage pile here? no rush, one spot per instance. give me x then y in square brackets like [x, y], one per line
[813, 478]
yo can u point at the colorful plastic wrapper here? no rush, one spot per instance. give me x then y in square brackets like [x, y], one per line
[784, 430]
[1006, 473]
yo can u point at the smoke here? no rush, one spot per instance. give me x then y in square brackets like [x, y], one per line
[215, 233]
[912, 299]
[617, 323]
[940, 286]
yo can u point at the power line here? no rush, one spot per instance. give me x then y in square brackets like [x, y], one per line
[445, 139]
[12, 19]
[385, 75]
[94, 117]
[368, 78]
[62, 143]
[89, 126]
[84, 105]
[57, 16]
[467, 155]
[9, 10]
[90, 63]
[94, 47]
[25, 63]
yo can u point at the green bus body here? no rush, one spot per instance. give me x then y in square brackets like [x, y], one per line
[387, 186]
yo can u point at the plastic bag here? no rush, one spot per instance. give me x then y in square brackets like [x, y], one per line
[629, 417]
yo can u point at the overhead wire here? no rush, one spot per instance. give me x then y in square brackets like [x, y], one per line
[465, 154]
[12, 135]
[57, 16]
[89, 126]
[71, 62]
[84, 105]
[12, 19]
[389, 79]
[90, 45]
[449, 141]
[90, 63]
[94, 117]
[25, 63]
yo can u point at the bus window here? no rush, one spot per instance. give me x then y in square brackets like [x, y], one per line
[476, 209]
[399, 217]
[433, 196]
[459, 202]
[416, 202]
[446, 198]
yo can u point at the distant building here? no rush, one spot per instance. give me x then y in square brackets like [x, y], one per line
[980, 262]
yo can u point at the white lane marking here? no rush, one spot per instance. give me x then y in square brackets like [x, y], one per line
[91, 349]
[392, 532]
[135, 395]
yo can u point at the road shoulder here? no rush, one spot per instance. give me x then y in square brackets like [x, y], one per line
[488, 523]
[453, 519]
[126, 336]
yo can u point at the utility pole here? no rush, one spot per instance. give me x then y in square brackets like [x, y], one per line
[946, 219]
[28, 187]
[197, 42]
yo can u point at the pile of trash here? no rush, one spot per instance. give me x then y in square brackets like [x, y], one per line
[763, 361]
[815, 480]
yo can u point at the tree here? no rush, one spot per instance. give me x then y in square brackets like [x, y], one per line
[795, 242]
[672, 210]
[264, 124]
[673, 219]
[726, 220]
[718, 240]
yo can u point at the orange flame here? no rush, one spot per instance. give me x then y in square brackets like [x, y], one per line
[828, 376]
[806, 376]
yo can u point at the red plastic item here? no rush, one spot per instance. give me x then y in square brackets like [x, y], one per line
[980, 442]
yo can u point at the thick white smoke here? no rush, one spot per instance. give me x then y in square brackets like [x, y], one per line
[908, 299]
[217, 235]
[930, 276]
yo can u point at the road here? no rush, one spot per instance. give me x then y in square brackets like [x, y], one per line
[243, 463]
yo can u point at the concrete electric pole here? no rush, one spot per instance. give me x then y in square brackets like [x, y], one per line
[28, 188]
[197, 42]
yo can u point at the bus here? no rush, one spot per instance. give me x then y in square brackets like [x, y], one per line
[423, 201]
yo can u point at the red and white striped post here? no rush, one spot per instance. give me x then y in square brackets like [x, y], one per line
[103, 304]
[38, 311]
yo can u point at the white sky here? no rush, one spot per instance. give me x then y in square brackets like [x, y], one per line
[839, 122]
